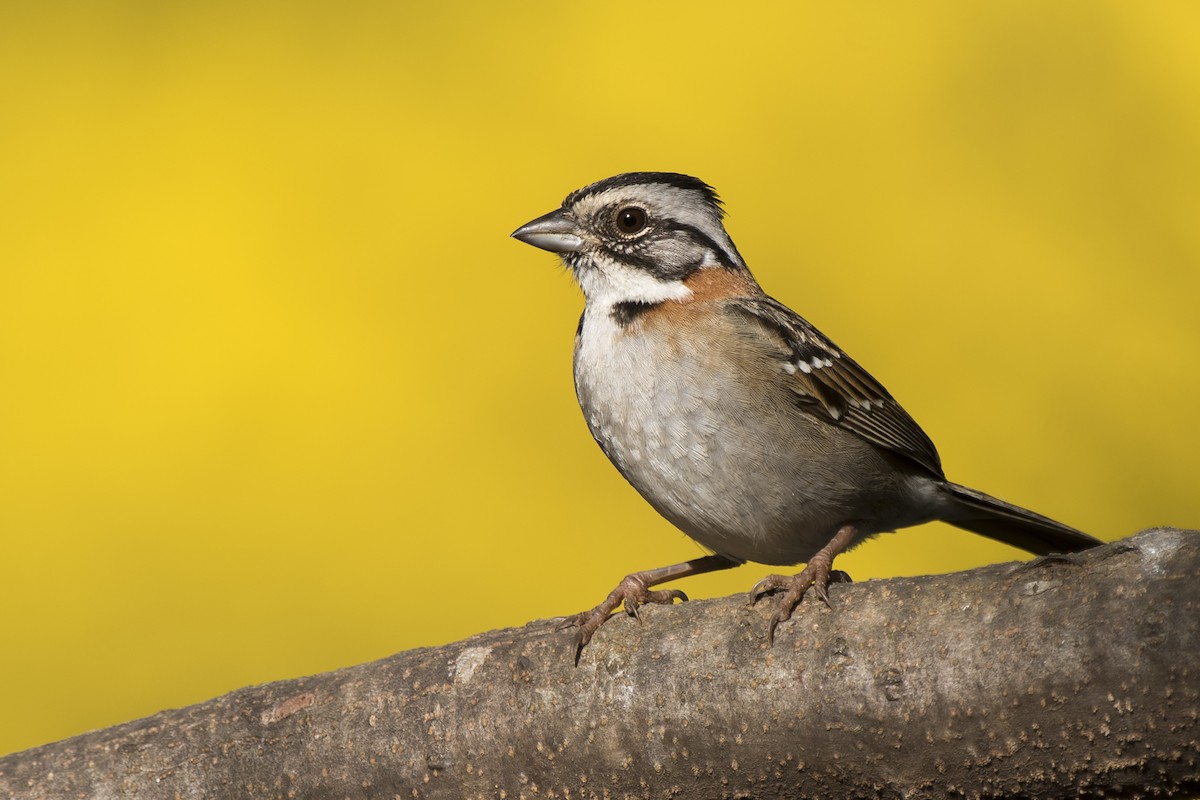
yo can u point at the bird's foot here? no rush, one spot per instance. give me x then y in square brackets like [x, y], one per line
[816, 575]
[632, 592]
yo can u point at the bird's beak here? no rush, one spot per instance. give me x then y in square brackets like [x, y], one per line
[553, 232]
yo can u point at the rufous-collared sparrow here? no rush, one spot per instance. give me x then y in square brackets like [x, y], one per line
[736, 419]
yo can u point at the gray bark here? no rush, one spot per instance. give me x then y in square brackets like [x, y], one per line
[1062, 677]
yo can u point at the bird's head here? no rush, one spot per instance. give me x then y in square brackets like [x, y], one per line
[637, 237]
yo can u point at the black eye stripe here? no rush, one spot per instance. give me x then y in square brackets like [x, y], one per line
[639, 253]
[706, 240]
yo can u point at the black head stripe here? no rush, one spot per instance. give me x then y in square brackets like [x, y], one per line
[642, 178]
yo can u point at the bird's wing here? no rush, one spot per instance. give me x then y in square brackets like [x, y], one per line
[828, 383]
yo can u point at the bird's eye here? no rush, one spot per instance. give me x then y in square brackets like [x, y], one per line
[631, 220]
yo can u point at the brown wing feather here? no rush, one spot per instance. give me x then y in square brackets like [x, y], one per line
[829, 383]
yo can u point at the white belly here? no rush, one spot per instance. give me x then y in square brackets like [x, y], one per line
[654, 424]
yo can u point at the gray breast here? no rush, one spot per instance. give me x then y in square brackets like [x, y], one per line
[712, 437]
[714, 453]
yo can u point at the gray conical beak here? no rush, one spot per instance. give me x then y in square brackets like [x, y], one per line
[553, 232]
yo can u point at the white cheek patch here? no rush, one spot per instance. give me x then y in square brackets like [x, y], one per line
[608, 283]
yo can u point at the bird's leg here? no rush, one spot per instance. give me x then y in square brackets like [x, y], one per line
[634, 591]
[817, 574]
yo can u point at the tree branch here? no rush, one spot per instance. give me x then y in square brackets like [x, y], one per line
[1062, 677]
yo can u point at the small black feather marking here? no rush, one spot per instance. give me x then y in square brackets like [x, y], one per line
[627, 312]
[834, 403]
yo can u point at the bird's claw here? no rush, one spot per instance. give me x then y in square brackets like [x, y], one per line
[816, 575]
[631, 594]
[633, 603]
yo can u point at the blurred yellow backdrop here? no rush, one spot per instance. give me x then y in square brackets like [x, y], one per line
[278, 394]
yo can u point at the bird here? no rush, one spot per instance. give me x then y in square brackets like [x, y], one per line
[735, 418]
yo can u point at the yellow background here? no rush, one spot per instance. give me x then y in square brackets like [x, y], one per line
[279, 395]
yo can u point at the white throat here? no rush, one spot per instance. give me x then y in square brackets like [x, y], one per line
[612, 283]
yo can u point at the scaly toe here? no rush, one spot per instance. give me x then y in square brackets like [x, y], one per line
[769, 584]
[796, 587]
[588, 623]
[631, 594]
[666, 597]
[637, 595]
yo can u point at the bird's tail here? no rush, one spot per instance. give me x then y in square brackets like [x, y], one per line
[996, 519]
